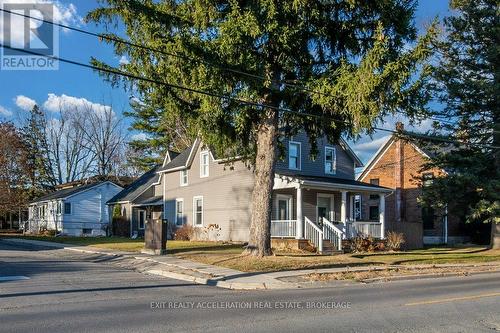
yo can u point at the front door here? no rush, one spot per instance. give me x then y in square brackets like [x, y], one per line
[284, 207]
[324, 208]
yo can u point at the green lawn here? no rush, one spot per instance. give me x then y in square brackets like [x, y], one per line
[134, 245]
[230, 255]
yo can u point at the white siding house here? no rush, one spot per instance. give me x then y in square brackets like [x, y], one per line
[75, 211]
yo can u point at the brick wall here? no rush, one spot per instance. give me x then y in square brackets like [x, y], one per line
[400, 168]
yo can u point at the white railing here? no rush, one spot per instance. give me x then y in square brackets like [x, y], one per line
[314, 234]
[360, 228]
[283, 228]
[333, 234]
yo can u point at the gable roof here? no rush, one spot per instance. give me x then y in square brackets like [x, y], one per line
[427, 149]
[350, 152]
[68, 192]
[138, 187]
[182, 160]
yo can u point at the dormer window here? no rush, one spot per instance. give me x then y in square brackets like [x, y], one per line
[330, 161]
[294, 155]
[204, 160]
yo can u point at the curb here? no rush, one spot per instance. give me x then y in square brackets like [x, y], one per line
[215, 282]
[411, 277]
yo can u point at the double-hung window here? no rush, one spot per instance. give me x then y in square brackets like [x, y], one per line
[204, 160]
[179, 212]
[294, 155]
[198, 211]
[330, 161]
[184, 177]
[67, 208]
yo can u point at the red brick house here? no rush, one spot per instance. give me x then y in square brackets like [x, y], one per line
[398, 165]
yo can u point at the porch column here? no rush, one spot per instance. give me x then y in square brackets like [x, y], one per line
[299, 227]
[381, 210]
[343, 208]
[351, 207]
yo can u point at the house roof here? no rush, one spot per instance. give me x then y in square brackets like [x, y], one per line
[182, 159]
[67, 192]
[427, 148]
[334, 182]
[135, 189]
[151, 201]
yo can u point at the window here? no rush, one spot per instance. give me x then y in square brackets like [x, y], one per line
[330, 161]
[184, 177]
[179, 212]
[357, 207]
[67, 208]
[428, 218]
[375, 181]
[141, 218]
[87, 231]
[59, 207]
[124, 211]
[427, 179]
[198, 211]
[204, 164]
[374, 213]
[294, 155]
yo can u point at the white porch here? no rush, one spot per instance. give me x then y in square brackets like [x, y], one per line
[324, 211]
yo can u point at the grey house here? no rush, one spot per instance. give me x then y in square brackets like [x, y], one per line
[142, 200]
[313, 200]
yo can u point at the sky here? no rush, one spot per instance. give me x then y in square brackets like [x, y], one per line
[71, 85]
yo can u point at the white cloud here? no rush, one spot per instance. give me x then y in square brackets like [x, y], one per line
[62, 13]
[366, 146]
[65, 103]
[139, 137]
[24, 103]
[4, 112]
[124, 60]
[372, 145]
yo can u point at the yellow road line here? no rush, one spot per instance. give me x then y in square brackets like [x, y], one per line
[444, 300]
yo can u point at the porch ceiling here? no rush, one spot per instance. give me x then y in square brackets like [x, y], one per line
[294, 181]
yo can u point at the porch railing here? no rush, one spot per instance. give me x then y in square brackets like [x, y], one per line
[314, 234]
[283, 228]
[333, 234]
[359, 228]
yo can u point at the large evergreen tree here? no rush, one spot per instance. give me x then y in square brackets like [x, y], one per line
[338, 65]
[467, 81]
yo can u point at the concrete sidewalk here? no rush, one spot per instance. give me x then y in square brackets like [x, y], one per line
[186, 270]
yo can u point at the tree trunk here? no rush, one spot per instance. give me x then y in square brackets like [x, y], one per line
[495, 236]
[260, 225]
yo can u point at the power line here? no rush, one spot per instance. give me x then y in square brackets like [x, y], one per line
[172, 54]
[230, 98]
[181, 56]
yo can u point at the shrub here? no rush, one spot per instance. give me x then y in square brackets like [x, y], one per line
[363, 243]
[184, 233]
[394, 240]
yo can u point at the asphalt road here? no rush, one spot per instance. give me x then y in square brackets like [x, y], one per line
[44, 290]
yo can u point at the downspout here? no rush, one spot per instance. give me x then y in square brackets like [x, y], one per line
[446, 224]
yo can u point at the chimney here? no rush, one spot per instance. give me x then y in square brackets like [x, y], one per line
[399, 173]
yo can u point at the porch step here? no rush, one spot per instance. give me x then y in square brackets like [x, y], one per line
[329, 248]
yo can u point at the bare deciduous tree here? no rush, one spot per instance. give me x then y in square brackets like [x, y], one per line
[104, 137]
